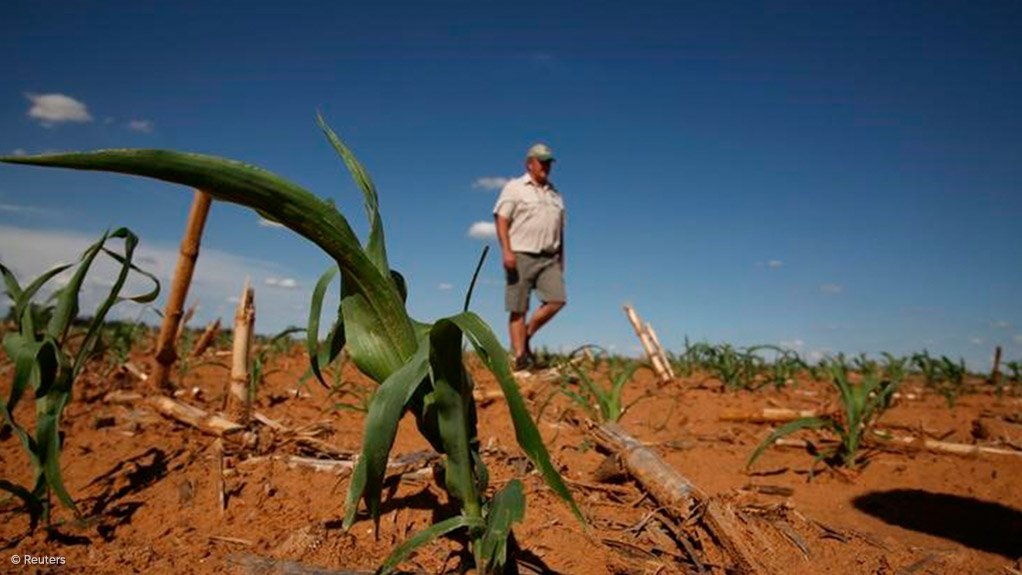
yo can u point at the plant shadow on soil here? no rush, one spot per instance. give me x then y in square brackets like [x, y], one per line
[527, 561]
[979, 524]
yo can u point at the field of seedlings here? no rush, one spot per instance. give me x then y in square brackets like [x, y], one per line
[157, 494]
[378, 443]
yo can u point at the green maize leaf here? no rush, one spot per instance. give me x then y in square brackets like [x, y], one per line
[36, 365]
[482, 472]
[385, 411]
[373, 299]
[23, 297]
[319, 357]
[17, 348]
[840, 380]
[582, 401]
[146, 297]
[376, 247]
[494, 357]
[886, 393]
[32, 503]
[475, 276]
[589, 386]
[506, 509]
[425, 536]
[400, 284]
[788, 429]
[367, 345]
[12, 289]
[92, 335]
[48, 440]
[623, 378]
[453, 399]
[67, 298]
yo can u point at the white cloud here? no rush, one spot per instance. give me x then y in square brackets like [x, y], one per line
[144, 126]
[774, 264]
[483, 230]
[490, 183]
[793, 344]
[831, 288]
[976, 340]
[18, 209]
[445, 287]
[1017, 338]
[19, 152]
[818, 354]
[270, 223]
[286, 283]
[56, 108]
[1001, 324]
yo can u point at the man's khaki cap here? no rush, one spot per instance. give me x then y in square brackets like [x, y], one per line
[541, 152]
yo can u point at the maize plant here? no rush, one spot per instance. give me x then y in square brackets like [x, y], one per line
[862, 404]
[607, 398]
[865, 366]
[1012, 381]
[943, 374]
[695, 357]
[418, 366]
[45, 365]
[735, 369]
[928, 366]
[895, 368]
[1015, 367]
[785, 366]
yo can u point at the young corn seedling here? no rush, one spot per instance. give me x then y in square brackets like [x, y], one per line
[928, 366]
[865, 366]
[276, 346]
[951, 383]
[46, 366]
[862, 405]
[607, 398]
[735, 369]
[1011, 382]
[1015, 369]
[418, 366]
[694, 357]
[783, 369]
[118, 340]
[895, 368]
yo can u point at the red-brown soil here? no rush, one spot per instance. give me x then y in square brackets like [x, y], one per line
[147, 486]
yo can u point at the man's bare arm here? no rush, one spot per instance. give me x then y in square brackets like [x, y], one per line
[560, 251]
[504, 235]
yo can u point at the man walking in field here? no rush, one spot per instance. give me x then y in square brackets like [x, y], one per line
[530, 226]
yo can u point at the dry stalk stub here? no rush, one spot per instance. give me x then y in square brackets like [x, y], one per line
[651, 345]
[166, 354]
[239, 404]
[207, 338]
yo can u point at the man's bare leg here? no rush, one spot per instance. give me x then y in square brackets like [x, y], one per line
[519, 339]
[546, 311]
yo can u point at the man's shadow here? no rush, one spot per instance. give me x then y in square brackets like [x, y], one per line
[982, 525]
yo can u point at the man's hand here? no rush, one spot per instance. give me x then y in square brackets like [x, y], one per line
[510, 264]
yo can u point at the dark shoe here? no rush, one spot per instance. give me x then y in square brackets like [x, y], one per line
[522, 363]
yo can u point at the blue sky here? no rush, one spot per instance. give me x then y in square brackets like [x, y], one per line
[830, 176]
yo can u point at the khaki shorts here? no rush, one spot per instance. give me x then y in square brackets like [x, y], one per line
[533, 272]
